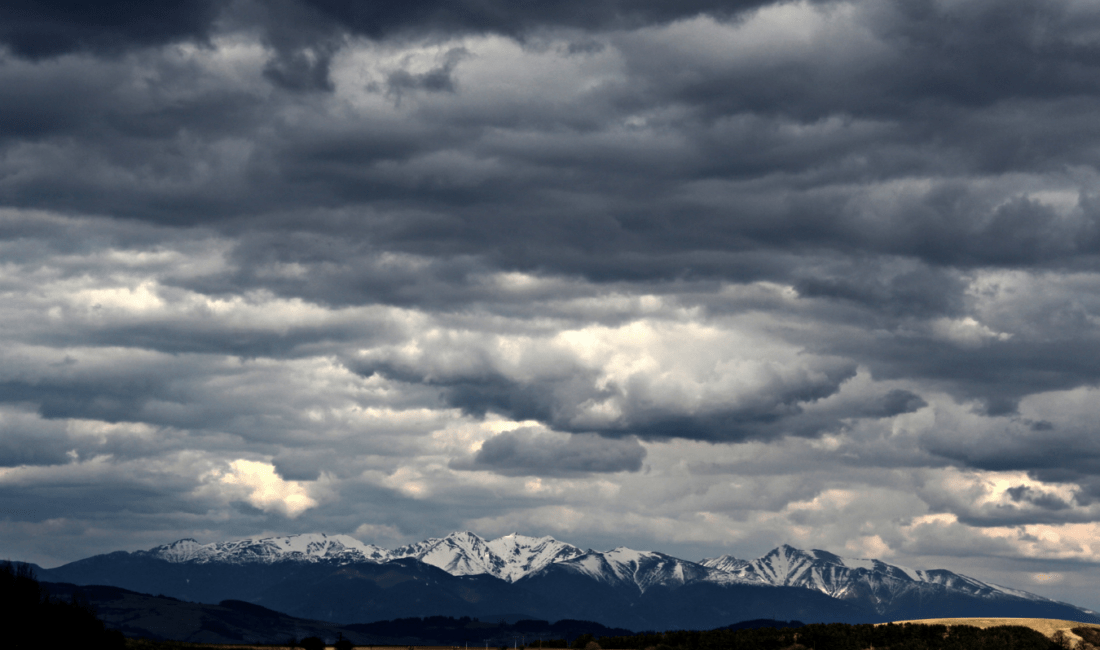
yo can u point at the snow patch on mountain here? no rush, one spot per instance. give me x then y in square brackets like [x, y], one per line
[524, 555]
[852, 578]
[312, 547]
[509, 558]
[726, 563]
[645, 569]
[459, 554]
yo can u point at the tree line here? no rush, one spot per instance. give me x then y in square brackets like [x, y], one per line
[31, 620]
[842, 636]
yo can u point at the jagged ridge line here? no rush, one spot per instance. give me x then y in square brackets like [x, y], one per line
[836, 581]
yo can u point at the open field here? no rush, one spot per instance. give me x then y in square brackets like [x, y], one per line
[1047, 626]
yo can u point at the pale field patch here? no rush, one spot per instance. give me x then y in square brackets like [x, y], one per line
[1047, 626]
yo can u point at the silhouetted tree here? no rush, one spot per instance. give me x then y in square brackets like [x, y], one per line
[840, 636]
[312, 643]
[31, 620]
[1090, 637]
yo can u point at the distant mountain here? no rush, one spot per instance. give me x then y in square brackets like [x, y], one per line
[316, 547]
[461, 553]
[338, 578]
[886, 589]
[624, 567]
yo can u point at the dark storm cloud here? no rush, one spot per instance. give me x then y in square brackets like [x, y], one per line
[303, 44]
[527, 452]
[436, 80]
[783, 407]
[888, 288]
[23, 441]
[174, 392]
[305, 34]
[1026, 494]
[39, 29]
[1032, 48]
[997, 374]
[642, 206]
[344, 272]
[302, 69]
[771, 410]
[896, 402]
[305, 464]
[378, 20]
[1065, 454]
[930, 56]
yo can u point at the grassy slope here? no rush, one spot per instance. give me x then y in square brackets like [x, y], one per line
[1047, 626]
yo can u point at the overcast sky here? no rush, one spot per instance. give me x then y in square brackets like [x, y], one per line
[693, 276]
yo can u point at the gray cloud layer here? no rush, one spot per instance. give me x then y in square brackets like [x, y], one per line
[524, 452]
[711, 276]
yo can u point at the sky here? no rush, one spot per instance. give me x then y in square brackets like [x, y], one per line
[697, 277]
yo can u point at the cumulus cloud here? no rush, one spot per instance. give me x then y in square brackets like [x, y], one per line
[650, 378]
[261, 487]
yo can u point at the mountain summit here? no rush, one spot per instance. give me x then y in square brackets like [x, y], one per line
[509, 558]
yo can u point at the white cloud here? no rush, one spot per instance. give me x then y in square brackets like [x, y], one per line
[261, 487]
[966, 331]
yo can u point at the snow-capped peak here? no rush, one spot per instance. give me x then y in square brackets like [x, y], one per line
[510, 557]
[524, 555]
[643, 569]
[311, 547]
[460, 553]
[183, 550]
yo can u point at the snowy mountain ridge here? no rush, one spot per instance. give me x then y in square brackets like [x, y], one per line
[645, 569]
[515, 557]
[313, 547]
[524, 556]
[461, 553]
[543, 578]
[848, 578]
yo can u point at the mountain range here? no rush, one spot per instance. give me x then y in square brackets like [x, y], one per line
[339, 578]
